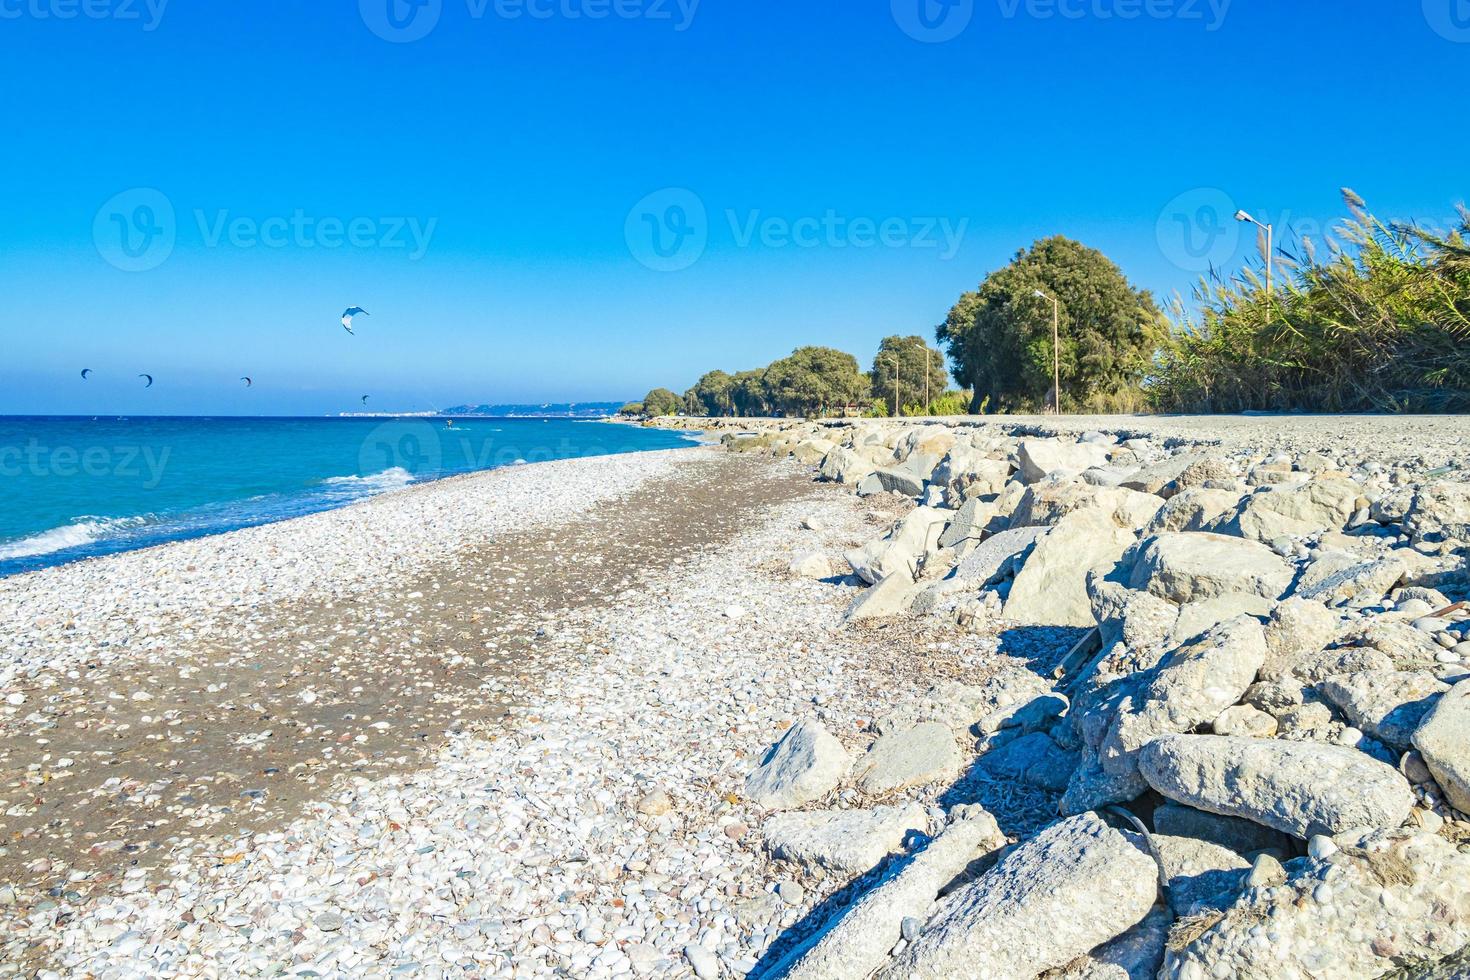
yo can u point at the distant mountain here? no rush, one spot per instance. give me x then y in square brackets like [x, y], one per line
[562, 410]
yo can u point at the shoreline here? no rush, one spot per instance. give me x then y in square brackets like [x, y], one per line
[737, 720]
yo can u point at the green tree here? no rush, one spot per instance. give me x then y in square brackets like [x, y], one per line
[632, 408]
[999, 336]
[815, 379]
[662, 401]
[749, 394]
[712, 394]
[915, 361]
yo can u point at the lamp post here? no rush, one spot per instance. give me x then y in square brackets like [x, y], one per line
[1056, 355]
[1270, 230]
[894, 361]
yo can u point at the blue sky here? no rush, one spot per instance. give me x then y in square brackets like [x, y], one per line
[816, 172]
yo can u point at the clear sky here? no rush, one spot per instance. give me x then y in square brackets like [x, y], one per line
[579, 199]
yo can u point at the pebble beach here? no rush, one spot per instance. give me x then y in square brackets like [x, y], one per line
[710, 712]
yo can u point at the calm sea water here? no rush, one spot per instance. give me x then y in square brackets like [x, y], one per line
[73, 488]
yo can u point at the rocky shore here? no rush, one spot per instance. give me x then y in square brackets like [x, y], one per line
[1118, 699]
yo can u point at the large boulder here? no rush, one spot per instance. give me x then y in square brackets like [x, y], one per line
[1157, 477]
[907, 478]
[1038, 458]
[1139, 620]
[911, 757]
[1298, 628]
[842, 840]
[1200, 873]
[971, 472]
[1192, 510]
[1074, 886]
[974, 520]
[1032, 760]
[857, 941]
[812, 451]
[844, 465]
[1294, 510]
[1301, 788]
[1135, 955]
[806, 764]
[1443, 739]
[1191, 687]
[1440, 511]
[993, 556]
[1371, 579]
[1051, 587]
[1048, 502]
[902, 548]
[1202, 615]
[893, 596]
[1236, 833]
[1387, 704]
[1185, 567]
[1389, 903]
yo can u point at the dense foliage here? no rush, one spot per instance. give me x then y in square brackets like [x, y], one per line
[1000, 335]
[1380, 323]
[911, 363]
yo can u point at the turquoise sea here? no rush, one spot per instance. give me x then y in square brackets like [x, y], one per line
[73, 488]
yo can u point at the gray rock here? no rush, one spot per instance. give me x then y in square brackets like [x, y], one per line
[1073, 887]
[912, 757]
[1388, 905]
[1387, 704]
[891, 597]
[1198, 617]
[971, 523]
[857, 942]
[846, 466]
[985, 707]
[1440, 511]
[1242, 719]
[1048, 502]
[1201, 874]
[1443, 739]
[1156, 477]
[842, 840]
[1135, 955]
[1051, 587]
[994, 555]
[1139, 620]
[1192, 510]
[1302, 788]
[901, 549]
[813, 564]
[1235, 833]
[1360, 578]
[805, 765]
[1184, 567]
[1038, 458]
[1033, 760]
[1092, 786]
[969, 472]
[1294, 510]
[1191, 687]
[1297, 627]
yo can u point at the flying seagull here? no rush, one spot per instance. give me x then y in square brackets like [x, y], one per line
[248, 382]
[349, 313]
[85, 372]
[150, 380]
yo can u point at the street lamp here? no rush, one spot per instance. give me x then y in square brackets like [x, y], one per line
[1056, 356]
[1243, 215]
[928, 369]
[894, 361]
